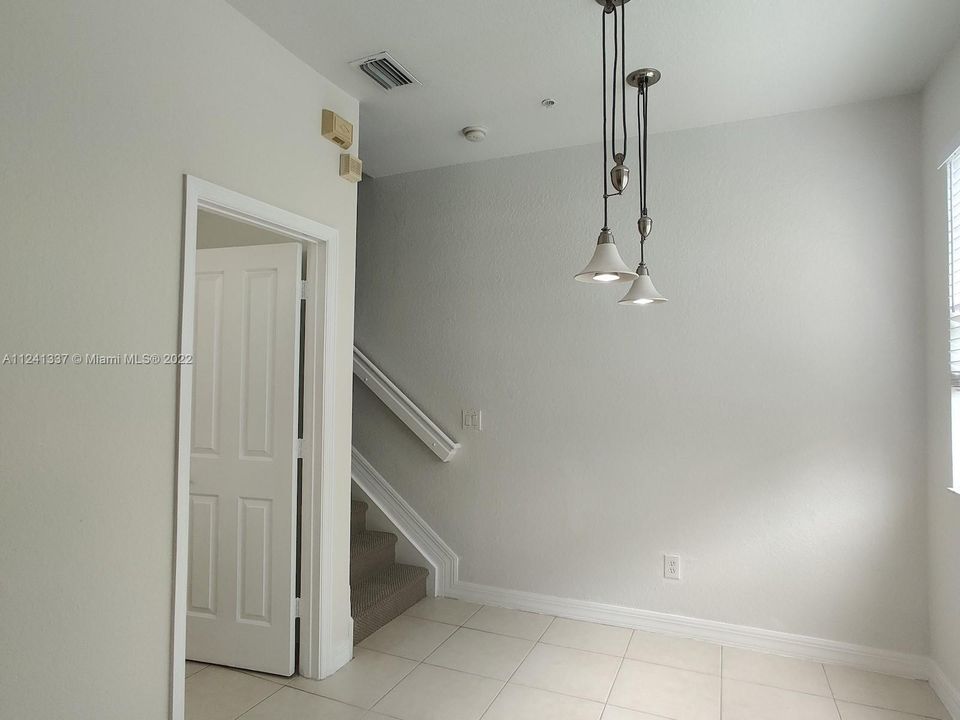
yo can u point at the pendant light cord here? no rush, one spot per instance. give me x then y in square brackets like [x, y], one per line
[646, 156]
[619, 63]
[606, 200]
[642, 152]
[623, 72]
[642, 132]
[616, 48]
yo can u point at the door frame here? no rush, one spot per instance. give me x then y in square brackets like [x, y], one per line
[318, 647]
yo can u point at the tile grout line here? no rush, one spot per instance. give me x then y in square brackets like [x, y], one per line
[536, 642]
[682, 669]
[833, 695]
[889, 710]
[279, 688]
[778, 687]
[187, 677]
[836, 701]
[412, 671]
[408, 614]
[516, 669]
[616, 675]
[423, 662]
[653, 715]
[560, 692]
[516, 637]
[465, 627]
[392, 688]
[571, 647]
[721, 682]
[253, 673]
[568, 695]
[414, 668]
[773, 687]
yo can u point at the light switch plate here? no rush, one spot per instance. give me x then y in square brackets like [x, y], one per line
[472, 420]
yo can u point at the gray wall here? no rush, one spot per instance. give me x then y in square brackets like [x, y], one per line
[105, 104]
[766, 424]
[941, 136]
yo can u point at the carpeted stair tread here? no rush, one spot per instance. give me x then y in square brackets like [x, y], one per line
[383, 584]
[380, 598]
[369, 540]
[370, 552]
[358, 506]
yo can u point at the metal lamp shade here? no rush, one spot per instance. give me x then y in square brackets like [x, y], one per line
[606, 266]
[642, 292]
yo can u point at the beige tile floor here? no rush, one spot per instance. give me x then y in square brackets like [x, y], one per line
[450, 660]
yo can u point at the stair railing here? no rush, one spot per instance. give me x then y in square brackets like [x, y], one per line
[403, 407]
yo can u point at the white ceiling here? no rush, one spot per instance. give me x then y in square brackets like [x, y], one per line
[490, 62]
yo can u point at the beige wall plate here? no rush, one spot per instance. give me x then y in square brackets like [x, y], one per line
[336, 129]
[351, 167]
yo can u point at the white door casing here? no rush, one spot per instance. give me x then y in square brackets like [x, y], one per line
[243, 477]
[326, 629]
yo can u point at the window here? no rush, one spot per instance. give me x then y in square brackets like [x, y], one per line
[953, 238]
[953, 234]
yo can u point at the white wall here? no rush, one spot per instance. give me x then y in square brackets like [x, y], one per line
[766, 424]
[104, 105]
[941, 136]
[217, 231]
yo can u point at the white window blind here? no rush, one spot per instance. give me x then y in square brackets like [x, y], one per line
[953, 230]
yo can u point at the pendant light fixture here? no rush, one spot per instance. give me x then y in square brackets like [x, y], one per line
[606, 265]
[643, 292]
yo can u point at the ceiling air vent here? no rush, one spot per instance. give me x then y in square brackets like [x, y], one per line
[385, 71]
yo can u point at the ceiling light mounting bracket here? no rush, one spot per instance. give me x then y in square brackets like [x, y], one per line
[647, 76]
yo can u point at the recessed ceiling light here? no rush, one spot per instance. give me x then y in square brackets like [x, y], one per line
[548, 102]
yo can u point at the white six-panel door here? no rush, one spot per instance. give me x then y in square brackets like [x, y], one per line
[243, 476]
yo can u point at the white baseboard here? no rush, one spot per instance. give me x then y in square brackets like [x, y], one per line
[445, 564]
[948, 693]
[342, 654]
[442, 560]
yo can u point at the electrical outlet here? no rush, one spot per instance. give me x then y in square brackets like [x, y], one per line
[671, 567]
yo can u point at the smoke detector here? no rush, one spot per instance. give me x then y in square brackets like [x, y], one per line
[474, 133]
[385, 71]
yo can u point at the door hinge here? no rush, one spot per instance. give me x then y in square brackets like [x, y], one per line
[296, 607]
[302, 290]
[299, 448]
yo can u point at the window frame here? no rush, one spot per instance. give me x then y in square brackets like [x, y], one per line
[952, 166]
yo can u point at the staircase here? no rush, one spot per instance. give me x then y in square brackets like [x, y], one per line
[380, 588]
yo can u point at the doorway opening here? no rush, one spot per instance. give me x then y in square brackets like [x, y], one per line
[255, 482]
[245, 447]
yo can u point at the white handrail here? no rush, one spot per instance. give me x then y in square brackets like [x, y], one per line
[403, 407]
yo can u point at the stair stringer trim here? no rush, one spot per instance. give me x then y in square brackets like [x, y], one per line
[443, 561]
